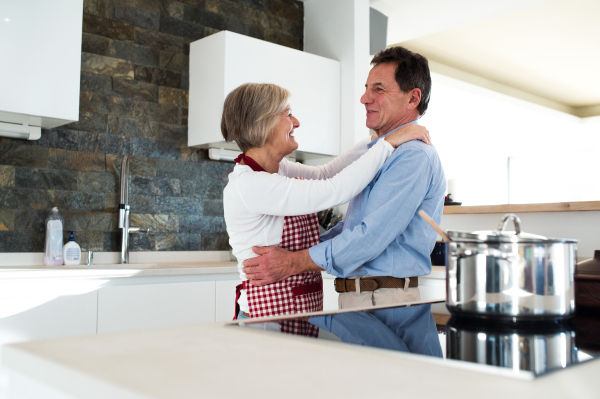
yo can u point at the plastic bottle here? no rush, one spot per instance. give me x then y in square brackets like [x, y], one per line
[71, 252]
[54, 239]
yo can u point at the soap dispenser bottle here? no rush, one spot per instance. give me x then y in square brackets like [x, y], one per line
[54, 239]
[71, 252]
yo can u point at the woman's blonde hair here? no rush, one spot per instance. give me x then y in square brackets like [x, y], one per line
[250, 112]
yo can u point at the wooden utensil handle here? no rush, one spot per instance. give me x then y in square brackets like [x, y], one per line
[433, 224]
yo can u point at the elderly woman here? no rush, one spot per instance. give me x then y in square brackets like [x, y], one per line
[271, 201]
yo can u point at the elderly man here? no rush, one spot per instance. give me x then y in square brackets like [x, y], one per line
[382, 246]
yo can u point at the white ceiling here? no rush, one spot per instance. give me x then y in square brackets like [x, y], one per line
[549, 49]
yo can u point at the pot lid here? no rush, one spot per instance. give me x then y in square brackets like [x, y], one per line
[503, 235]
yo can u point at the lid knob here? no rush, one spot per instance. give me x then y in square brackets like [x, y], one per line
[507, 218]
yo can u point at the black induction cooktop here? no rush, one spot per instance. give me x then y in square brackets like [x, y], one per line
[521, 350]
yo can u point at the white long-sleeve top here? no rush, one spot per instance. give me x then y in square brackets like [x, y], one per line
[256, 203]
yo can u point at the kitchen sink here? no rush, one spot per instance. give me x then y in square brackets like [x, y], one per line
[127, 266]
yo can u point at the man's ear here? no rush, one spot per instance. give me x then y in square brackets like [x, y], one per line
[415, 98]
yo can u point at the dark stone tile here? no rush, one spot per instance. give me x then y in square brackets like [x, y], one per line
[93, 221]
[218, 171]
[203, 17]
[75, 200]
[96, 83]
[209, 189]
[127, 127]
[185, 84]
[256, 32]
[137, 166]
[75, 160]
[258, 4]
[174, 61]
[289, 9]
[107, 27]
[133, 88]
[179, 242]
[31, 220]
[95, 102]
[197, 3]
[101, 144]
[13, 152]
[236, 25]
[106, 65]
[212, 207]
[24, 198]
[120, 49]
[7, 176]
[175, 10]
[143, 203]
[62, 138]
[97, 182]
[155, 186]
[178, 27]
[156, 223]
[194, 155]
[136, 16]
[134, 108]
[156, 6]
[142, 242]
[194, 224]
[7, 219]
[160, 41]
[90, 240]
[51, 179]
[175, 97]
[168, 132]
[277, 37]
[215, 242]
[21, 241]
[161, 77]
[94, 44]
[292, 28]
[145, 55]
[175, 169]
[89, 122]
[112, 242]
[178, 205]
[100, 8]
[154, 149]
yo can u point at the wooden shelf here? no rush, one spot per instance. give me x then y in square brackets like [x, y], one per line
[524, 208]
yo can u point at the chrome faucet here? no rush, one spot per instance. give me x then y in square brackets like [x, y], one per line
[124, 212]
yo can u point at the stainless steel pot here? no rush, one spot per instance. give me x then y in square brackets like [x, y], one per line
[512, 275]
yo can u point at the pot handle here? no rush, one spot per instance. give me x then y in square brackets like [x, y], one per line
[491, 252]
[507, 218]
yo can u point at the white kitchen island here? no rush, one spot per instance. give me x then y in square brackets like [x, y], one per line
[214, 360]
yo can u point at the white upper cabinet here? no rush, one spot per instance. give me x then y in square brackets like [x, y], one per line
[40, 48]
[223, 61]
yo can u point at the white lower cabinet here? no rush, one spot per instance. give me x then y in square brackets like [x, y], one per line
[45, 317]
[225, 298]
[136, 307]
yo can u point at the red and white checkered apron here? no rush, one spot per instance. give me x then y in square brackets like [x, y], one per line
[300, 293]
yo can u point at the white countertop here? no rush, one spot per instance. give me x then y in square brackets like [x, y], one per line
[117, 271]
[215, 360]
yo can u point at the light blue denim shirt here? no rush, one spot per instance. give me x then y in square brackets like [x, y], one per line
[382, 234]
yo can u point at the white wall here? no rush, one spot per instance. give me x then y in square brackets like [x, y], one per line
[475, 130]
[583, 226]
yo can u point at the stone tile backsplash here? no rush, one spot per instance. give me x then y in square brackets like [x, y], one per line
[134, 100]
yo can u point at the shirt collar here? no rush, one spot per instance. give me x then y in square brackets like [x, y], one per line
[373, 142]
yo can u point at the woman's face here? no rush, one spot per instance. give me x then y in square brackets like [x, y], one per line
[281, 138]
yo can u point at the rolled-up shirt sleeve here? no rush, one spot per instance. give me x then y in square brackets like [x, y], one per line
[392, 204]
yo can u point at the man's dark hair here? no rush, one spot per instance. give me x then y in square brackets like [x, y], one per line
[412, 71]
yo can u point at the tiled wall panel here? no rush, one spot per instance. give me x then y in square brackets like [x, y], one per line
[134, 100]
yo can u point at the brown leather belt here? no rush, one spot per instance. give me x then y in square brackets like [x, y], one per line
[246, 314]
[373, 283]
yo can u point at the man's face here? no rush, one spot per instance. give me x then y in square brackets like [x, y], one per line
[385, 103]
